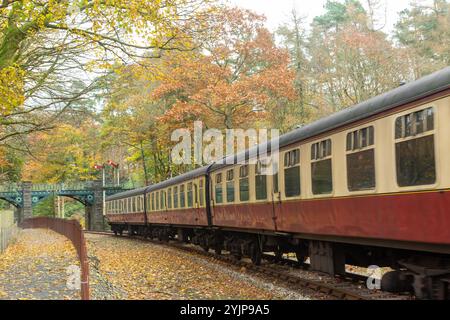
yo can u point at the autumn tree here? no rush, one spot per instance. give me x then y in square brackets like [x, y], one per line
[352, 62]
[293, 36]
[131, 133]
[238, 77]
[424, 31]
[67, 154]
[55, 53]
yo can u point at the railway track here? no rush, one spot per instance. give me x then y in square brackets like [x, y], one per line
[350, 287]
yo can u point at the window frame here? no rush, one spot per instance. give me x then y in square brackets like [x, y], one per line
[370, 146]
[230, 180]
[175, 198]
[320, 158]
[244, 175]
[220, 184]
[201, 192]
[434, 132]
[190, 194]
[287, 162]
[258, 174]
[182, 195]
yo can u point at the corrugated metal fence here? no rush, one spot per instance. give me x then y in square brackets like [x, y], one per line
[8, 228]
[72, 230]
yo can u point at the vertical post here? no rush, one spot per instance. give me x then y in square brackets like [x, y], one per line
[27, 200]
[63, 214]
[58, 206]
[94, 212]
[104, 191]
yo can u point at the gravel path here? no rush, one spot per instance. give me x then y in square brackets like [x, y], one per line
[123, 268]
[36, 266]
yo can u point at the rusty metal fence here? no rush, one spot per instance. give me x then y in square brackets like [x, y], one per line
[73, 231]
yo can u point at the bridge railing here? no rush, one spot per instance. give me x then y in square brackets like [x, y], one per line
[87, 185]
[12, 187]
[73, 231]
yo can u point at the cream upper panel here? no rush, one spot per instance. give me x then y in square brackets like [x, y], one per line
[443, 107]
[385, 157]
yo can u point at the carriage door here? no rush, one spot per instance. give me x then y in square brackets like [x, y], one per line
[196, 201]
[276, 200]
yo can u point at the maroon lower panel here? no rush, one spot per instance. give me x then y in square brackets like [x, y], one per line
[138, 218]
[189, 217]
[416, 217]
[245, 216]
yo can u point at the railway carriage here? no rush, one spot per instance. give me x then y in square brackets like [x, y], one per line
[369, 185]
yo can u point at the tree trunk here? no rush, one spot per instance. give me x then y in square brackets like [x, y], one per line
[144, 164]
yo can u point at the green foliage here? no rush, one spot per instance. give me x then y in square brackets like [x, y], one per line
[338, 14]
[45, 208]
[425, 31]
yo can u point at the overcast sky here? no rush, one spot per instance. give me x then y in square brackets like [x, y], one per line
[277, 11]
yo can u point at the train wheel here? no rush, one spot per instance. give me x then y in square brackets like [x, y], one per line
[115, 232]
[205, 248]
[238, 257]
[300, 258]
[278, 253]
[394, 282]
[256, 254]
[218, 250]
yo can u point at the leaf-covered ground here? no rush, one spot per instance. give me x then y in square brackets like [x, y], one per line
[123, 268]
[35, 266]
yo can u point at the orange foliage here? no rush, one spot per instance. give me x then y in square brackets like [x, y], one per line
[238, 71]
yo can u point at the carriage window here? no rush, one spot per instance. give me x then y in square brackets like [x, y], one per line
[414, 124]
[260, 183]
[182, 197]
[201, 192]
[361, 159]
[175, 197]
[153, 201]
[415, 157]
[361, 170]
[190, 200]
[321, 171]
[162, 200]
[244, 189]
[219, 189]
[196, 194]
[230, 185]
[292, 173]
[360, 139]
[169, 198]
[157, 200]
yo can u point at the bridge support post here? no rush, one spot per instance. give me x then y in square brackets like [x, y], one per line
[27, 209]
[94, 214]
